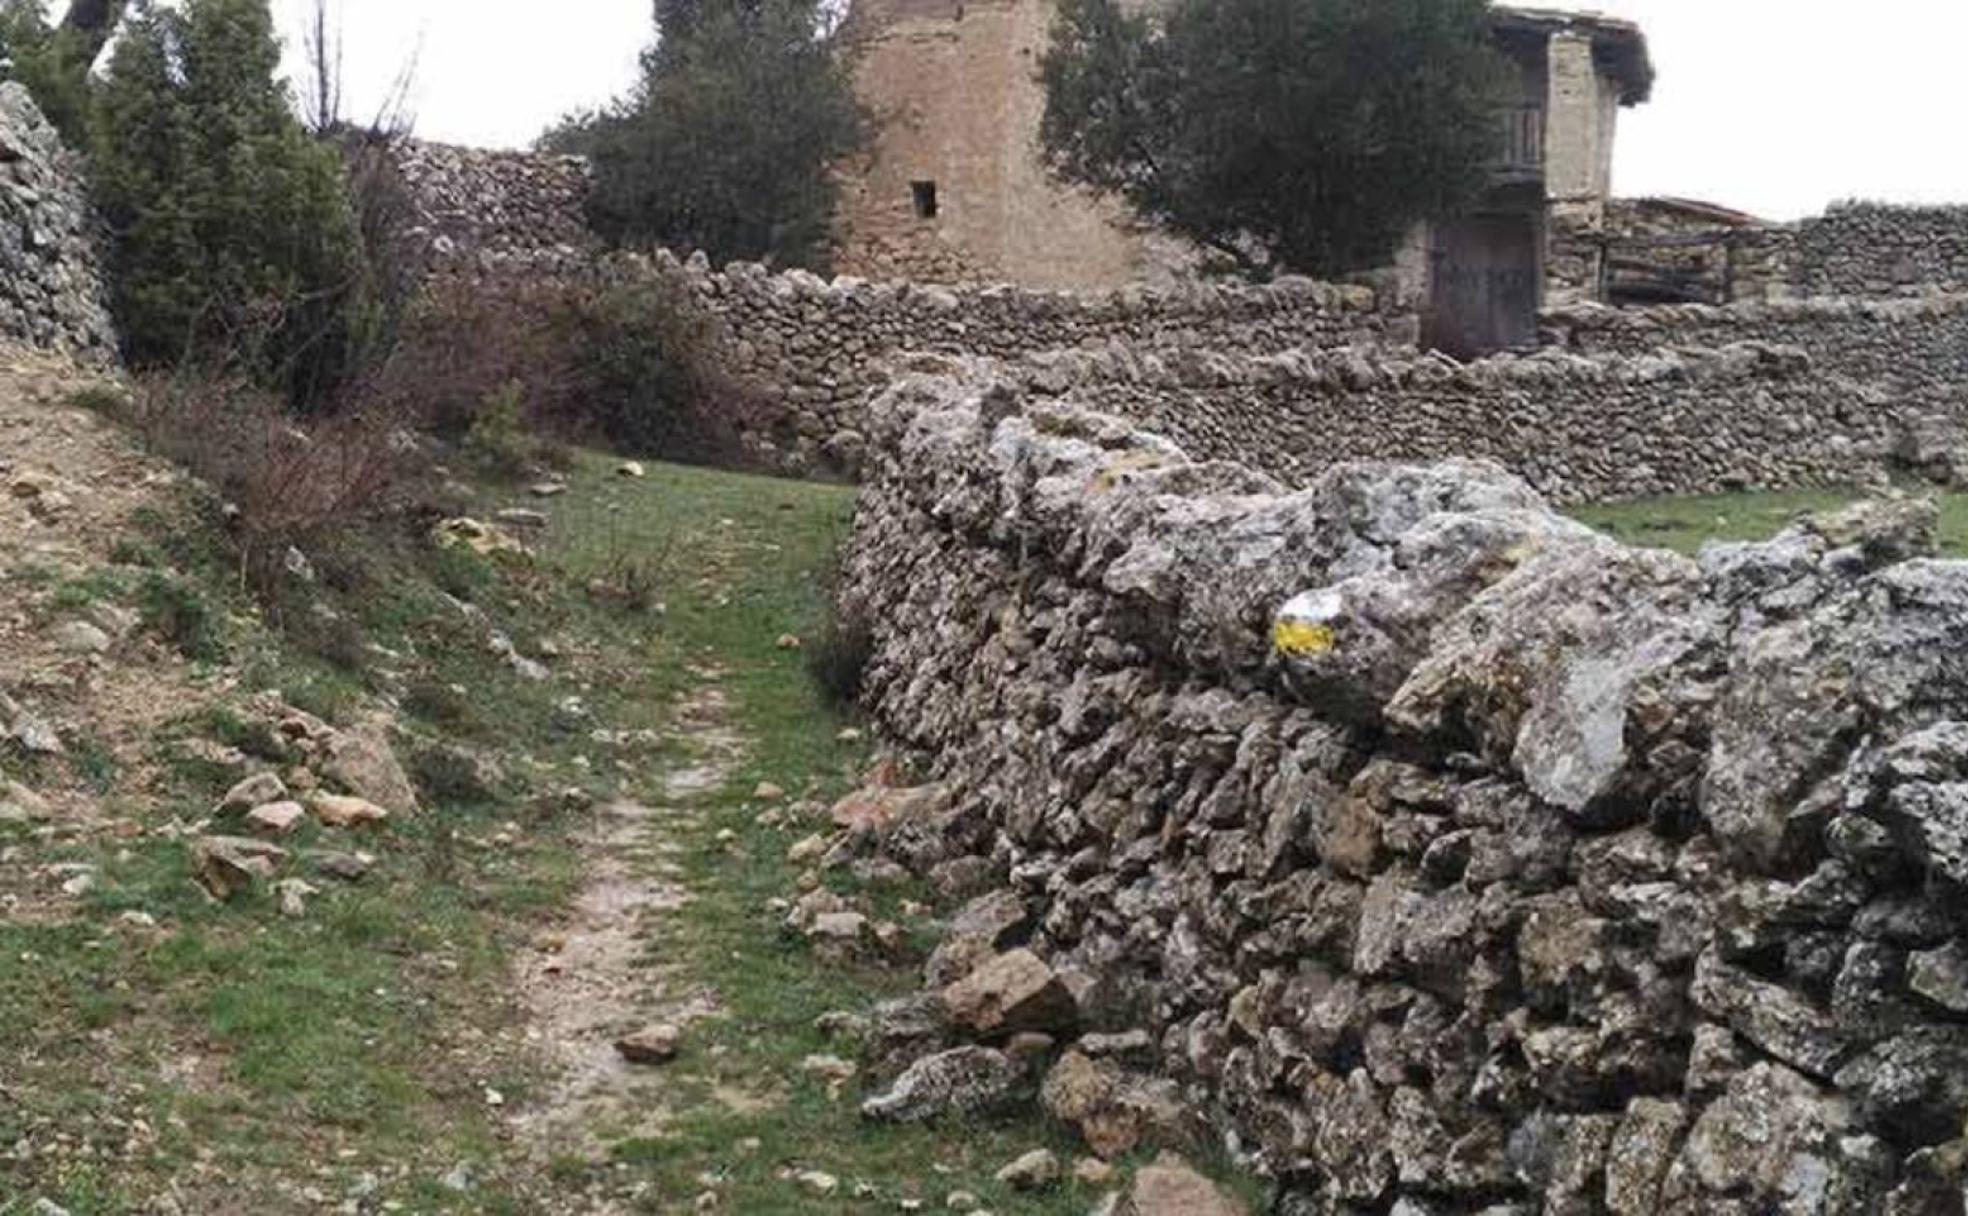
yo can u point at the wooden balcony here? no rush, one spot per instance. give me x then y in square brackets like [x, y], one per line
[1520, 157]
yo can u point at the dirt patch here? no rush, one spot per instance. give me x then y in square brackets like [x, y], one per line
[71, 487]
[589, 980]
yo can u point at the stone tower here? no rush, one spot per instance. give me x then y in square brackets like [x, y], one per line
[954, 188]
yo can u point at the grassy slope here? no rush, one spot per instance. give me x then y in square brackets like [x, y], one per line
[238, 1053]
[273, 1062]
[263, 1063]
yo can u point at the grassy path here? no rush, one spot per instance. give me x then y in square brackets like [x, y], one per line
[593, 853]
[748, 1118]
[1685, 524]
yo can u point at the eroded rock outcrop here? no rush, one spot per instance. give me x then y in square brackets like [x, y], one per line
[1511, 869]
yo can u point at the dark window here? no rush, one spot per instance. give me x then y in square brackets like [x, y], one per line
[925, 195]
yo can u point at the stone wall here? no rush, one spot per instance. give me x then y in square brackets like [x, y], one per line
[475, 206]
[1577, 427]
[816, 347]
[52, 295]
[1712, 255]
[1507, 869]
[1871, 249]
[1915, 347]
[1293, 379]
[1297, 376]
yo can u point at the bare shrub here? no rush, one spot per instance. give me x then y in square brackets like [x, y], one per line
[646, 375]
[623, 356]
[467, 341]
[634, 570]
[837, 661]
[288, 489]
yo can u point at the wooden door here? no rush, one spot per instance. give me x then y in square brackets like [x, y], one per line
[1485, 275]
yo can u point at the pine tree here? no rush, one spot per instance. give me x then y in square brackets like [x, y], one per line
[728, 142]
[232, 233]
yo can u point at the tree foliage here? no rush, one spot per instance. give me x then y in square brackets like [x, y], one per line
[727, 143]
[53, 61]
[232, 233]
[1300, 135]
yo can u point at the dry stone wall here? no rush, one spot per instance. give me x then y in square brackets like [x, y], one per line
[817, 348]
[51, 286]
[510, 211]
[1297, 376]
[1853, 250]
[1449, 857]
[1872, 249]
[1912, 346]
[1577, 427]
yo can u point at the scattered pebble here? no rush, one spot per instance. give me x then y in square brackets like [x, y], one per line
[807, 849]
[1093, 1171]
[1034, 1171]
[817, 1181]
[653, 1044]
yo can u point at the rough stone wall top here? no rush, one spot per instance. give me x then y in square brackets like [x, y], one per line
[475, 201]
[1874, 249]
[817, 347]
[1456, 858]
[1766, 397]
[51, 286]
[1853, 250]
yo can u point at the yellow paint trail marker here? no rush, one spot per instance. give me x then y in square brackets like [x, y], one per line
[1307, 625]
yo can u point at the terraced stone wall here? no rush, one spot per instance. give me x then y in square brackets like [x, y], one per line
[1453, 857]
[1578, 428]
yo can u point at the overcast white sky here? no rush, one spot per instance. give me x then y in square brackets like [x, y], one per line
[1774, 106]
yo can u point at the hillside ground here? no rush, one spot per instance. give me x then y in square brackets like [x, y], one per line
[594, 848]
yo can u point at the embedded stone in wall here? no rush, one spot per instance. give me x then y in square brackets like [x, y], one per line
[480, 208]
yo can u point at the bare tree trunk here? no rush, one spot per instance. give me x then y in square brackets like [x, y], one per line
[323, 47]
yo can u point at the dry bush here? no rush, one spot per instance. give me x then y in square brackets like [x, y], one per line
[647, 376]
[287, 488]
[466, 341]
[622, 357]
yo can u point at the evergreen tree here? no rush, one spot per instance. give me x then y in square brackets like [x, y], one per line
[1300, 135]
[232, 232]
[53, 61]
[728, 142]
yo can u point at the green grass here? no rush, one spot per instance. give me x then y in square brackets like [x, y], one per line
[264, 1052]
[1685, 524]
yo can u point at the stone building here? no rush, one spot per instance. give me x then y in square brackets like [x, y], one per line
[955, 188]
[1535, 240]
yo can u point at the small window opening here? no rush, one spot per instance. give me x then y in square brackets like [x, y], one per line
[925, 196]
